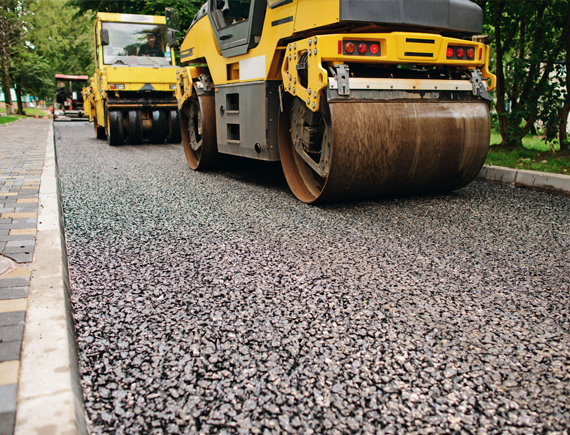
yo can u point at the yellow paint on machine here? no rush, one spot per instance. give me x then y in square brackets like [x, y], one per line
[133, 78]
[286, 21]
[110, 81]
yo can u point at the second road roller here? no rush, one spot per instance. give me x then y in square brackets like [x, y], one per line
[356, 98]
[131, 96]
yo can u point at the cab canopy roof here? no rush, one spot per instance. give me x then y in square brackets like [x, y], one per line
[131, 18]
[71, 78]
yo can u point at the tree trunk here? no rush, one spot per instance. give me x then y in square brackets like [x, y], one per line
[500, 104]
[562, 135]
[6, 81]
[18, 89]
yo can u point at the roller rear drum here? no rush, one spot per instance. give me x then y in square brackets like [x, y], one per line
[366, 149]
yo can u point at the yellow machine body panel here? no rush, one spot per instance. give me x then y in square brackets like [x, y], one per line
[134, 78]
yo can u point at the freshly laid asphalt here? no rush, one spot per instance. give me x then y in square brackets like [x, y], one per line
[217, 303]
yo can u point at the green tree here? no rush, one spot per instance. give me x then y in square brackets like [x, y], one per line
[47, 38]
[528, 38]
[565, 81]
[15, 20]
[65, 38]
[187, 9]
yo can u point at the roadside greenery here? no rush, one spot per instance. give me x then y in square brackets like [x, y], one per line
[9, 119]
[28, 112]
[535, 154]
[38, 39]
[530, 48]
[186, 9]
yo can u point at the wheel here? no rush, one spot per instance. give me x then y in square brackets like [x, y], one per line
[365, 149]
[134, 128]
[173, 127]
[114, 130]
[158, 132]
[198, 129]
[306, 165]
[99, 131]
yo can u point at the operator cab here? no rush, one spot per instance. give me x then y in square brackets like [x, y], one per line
[237, 24]
[134, 44]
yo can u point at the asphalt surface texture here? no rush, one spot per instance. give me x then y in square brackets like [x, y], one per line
[218, 303]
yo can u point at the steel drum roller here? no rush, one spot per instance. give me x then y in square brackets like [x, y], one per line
[391, 148]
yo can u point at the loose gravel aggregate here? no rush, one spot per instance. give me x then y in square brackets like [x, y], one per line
[218, 303]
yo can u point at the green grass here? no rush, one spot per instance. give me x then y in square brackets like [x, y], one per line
[9, 119]
[30, 112]
[535, 156]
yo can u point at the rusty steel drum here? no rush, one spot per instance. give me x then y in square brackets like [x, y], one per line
[198, 132]
[387, 148]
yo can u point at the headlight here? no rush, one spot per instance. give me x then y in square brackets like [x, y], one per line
[172, 86]
[116, 86]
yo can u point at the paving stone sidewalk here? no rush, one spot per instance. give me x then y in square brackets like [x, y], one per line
[22, 153]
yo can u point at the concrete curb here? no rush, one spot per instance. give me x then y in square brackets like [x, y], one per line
[543, 181]
[50, 398]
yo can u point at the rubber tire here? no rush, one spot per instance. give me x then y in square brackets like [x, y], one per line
[173, 126]
[134, 128]
[99, 131]
[115, 131]
[158, 132]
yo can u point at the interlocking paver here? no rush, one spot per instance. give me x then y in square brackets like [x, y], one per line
[11, 333]
[13, 293]
[22, 151]
[11, 319]
[8, 398]
[9, 372]
[10, 351]
[14, 282]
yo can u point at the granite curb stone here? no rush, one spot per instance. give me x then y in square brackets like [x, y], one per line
[544, 181]
[49, 394]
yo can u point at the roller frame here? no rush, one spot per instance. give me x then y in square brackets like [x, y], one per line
[323, 50]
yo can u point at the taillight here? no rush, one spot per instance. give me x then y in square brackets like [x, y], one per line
[361, 48]
[470, 53]
[480, 53]
[449, 52]
[339, 46]
[460, 52]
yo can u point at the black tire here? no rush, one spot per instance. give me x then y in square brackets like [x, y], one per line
[158, 132]
[99, 131]
[134, 128]
[114, 130]
[173, 134]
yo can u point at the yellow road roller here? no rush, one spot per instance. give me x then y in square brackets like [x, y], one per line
[131, 96]
[356, 98]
